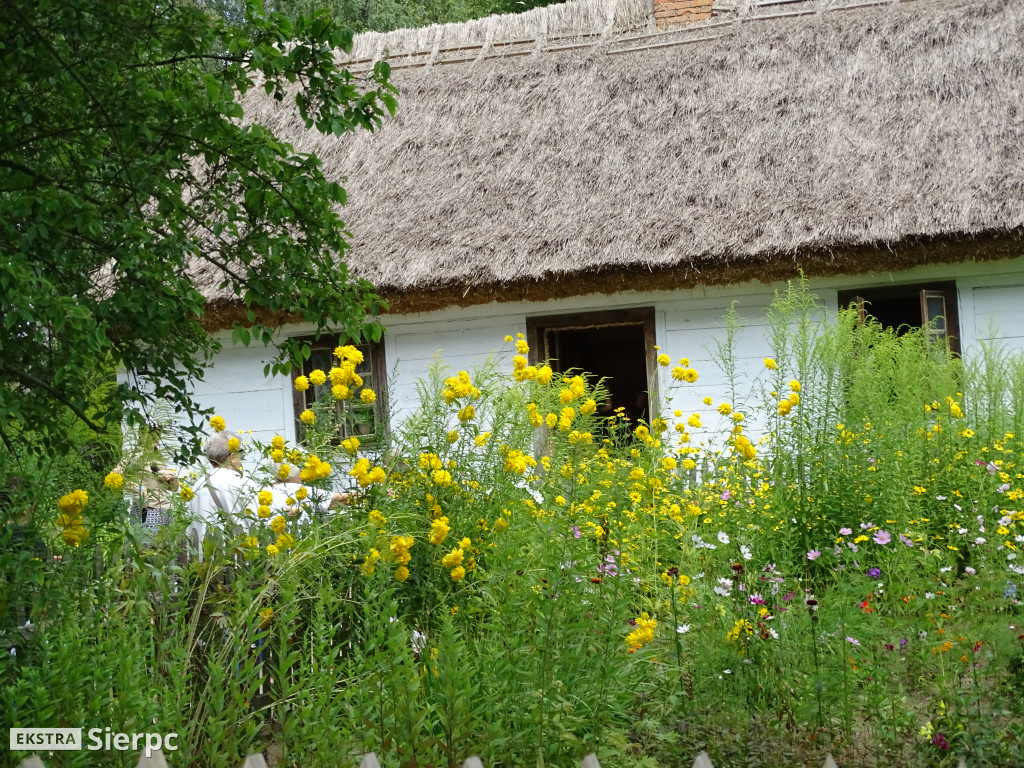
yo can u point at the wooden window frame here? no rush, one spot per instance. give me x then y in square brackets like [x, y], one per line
[538, 324]
[912, 292]
[379, 381]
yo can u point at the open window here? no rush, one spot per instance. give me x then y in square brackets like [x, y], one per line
[904, 307]
[616, 345]
[367, 421]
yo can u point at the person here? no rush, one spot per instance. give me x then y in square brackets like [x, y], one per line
[151, 495]
[285, 497]
[222, 496]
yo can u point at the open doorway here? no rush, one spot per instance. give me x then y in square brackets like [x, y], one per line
[617, 346]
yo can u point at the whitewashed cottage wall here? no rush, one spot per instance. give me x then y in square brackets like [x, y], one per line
[687, 322]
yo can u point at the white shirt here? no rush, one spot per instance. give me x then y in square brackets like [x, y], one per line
[222, 488]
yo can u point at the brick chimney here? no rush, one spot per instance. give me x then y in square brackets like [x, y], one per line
[669, 14]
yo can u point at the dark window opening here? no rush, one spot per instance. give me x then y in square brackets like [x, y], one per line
[367, 421]
[906, 307]
[616, 346]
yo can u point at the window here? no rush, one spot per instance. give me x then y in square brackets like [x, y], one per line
[368, 422]
[905, 307]
[617, 346]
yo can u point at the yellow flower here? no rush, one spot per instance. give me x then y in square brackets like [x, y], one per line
[694, 421]
[794, 398]
[217, 423]
[458, 574]
[265, 497]
[301, 494]
[400, 546]
[368, 396]
[284, 472]
[301, 385]
[349, 354]
[741, 627]
[467, 414]
[508, 339]
[707, 401]
[438, 530]
[114, 480]
[785, 406]
[644, 632]
[794, 385]
[370, 562]
[234, 444]
[74, 502]
[770, 364]
[75, 535]
[317, 378]
[278, 524]
[725, 409]
[187, 494]
[453, 558]
[482, 438]
[278, 443]
[307, 416]
[265, 615]
[664, 360]
[522, 347]
[272, 549]
[544, 374]
[402, 573]
[341, 392]
[263, 511]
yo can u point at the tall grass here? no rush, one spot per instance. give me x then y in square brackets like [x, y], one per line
[829, 564]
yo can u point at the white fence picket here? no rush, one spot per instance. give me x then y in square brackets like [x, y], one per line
[155, 760]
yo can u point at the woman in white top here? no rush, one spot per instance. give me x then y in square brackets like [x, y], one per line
[223, 495]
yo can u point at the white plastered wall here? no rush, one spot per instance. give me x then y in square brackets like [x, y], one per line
[990, 299]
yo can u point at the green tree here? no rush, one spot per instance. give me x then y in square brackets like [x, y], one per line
[131, 177]
[384, 15]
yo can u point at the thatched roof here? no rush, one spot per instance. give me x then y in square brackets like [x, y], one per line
[826, 139]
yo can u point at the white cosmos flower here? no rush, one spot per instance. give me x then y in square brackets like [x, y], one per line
[723, 537]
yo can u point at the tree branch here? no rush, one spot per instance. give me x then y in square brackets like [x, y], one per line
[24, 376]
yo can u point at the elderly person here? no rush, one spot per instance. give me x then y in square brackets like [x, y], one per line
[154, 482]
[223, 494]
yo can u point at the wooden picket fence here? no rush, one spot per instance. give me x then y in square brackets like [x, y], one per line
[157, 760]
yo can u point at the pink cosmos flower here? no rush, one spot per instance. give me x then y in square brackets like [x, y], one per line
[882, 538]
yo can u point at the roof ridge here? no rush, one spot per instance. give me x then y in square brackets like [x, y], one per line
[613, 33]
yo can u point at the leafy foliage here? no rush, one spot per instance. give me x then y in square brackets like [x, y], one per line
[130, 180]
[385, 15]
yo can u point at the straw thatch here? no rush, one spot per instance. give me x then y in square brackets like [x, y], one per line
[839, 140]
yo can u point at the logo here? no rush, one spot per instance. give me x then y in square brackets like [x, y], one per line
[46, 739]
[52, 739]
